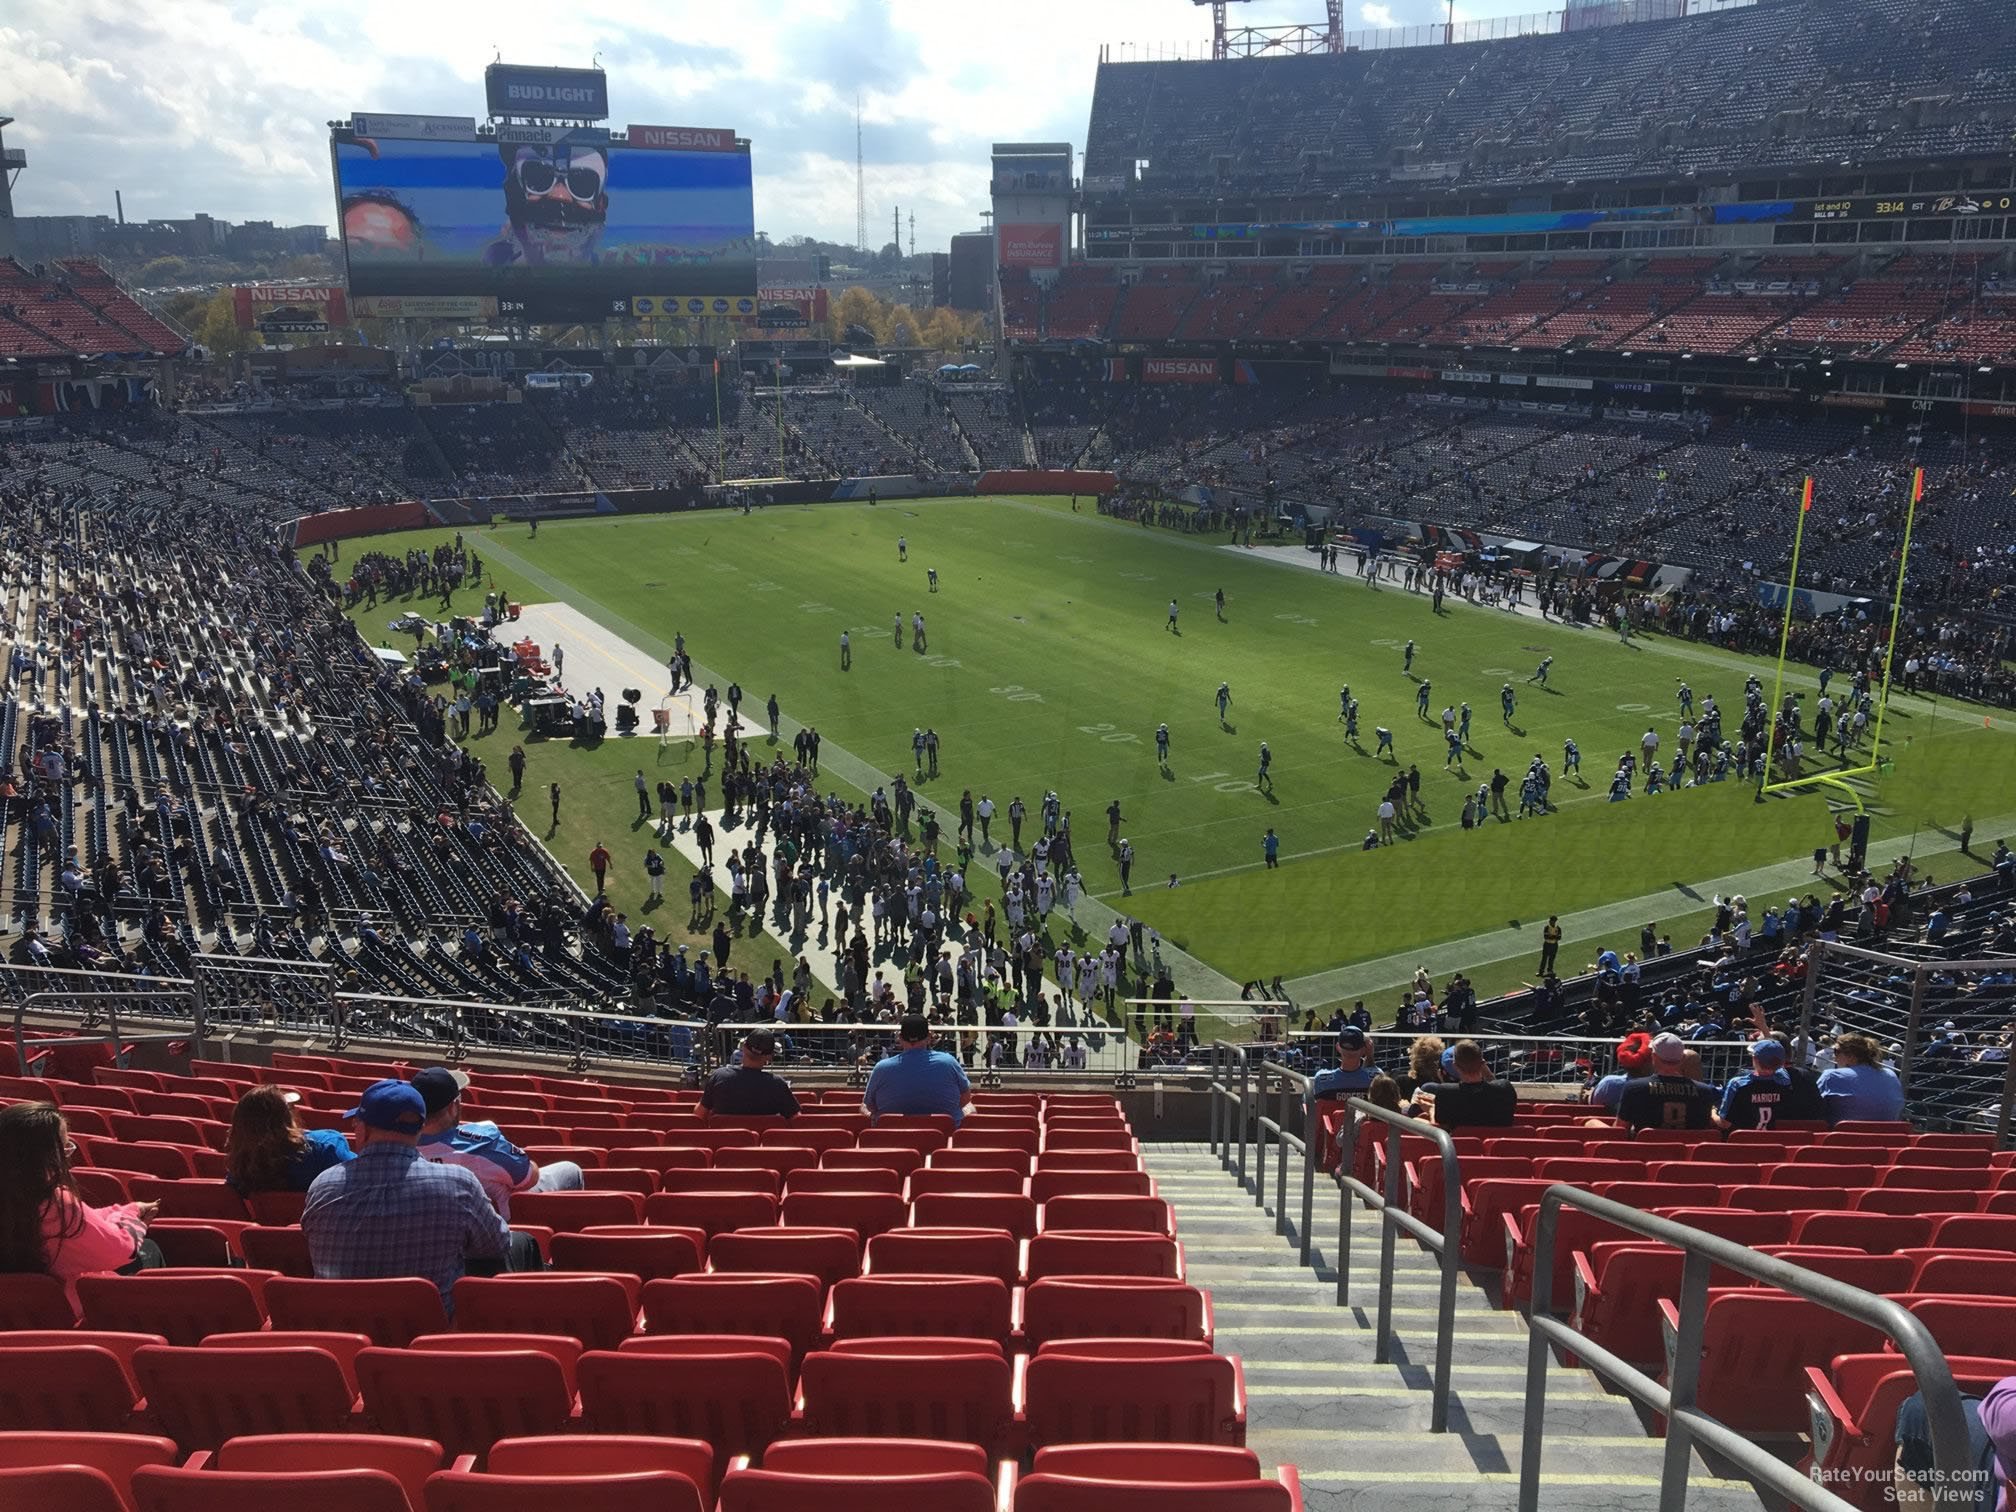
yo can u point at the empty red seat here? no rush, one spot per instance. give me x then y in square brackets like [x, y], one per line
[100, 1467]
[572, 1454]
[945, 1252]
[663, 1158]
[819, 1138]
[1850, 1176]
[1048, 1184]
[407, 1460]
[75, 1381]
[1961, 1271]
[954, 1307]
[181, 1305]
[1014, 1212]
[1486, 1204]
[30, 1299]
[1060, 1307]
[435, 1394]
[936, 1179]
[786, 1307]
[203, 1396]
[388, 1311]
[1755, 1347]
[1143, 1215]
[717, 1179]
[600, 1311]
[284, 1251]
[647, 1256]
[736, 1399]
[1788, 1199]
[636, 1491]
[866, 1213]
[881, 1158]
[1858, 1267]
[827, 1253]
[1096, 1254]
[1089, 1397]
[966, 1397]
[918, 1141]
[768, 1490]
[564, 1352]
[985, 1158]
[712, 1212]
[1985, 1231]
[1958, 1324]
[571, 1212]
[1878, 1233]
[1909, 1200]
[165, 1488]
[641, 1180]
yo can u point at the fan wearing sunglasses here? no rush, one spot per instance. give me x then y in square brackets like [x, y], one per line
[557, 200]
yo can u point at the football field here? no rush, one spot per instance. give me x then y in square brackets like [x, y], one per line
[1050, 663]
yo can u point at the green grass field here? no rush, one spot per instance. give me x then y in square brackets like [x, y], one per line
[1050, 666]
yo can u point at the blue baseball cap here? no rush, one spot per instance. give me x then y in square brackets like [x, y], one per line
[391, 1105]
[1768, 1050]
[1351, 1037]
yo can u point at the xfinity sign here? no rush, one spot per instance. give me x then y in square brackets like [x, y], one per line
[576, 93]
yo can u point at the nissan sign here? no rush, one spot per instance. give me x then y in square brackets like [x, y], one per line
[683, 138]
[577, 94]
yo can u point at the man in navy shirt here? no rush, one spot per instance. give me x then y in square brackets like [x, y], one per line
[917, 1079]
[1765, 1094]
[1668, 1098]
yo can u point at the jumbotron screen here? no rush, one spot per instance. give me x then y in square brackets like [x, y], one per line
[567, 229]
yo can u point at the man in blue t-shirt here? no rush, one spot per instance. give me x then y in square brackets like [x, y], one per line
[917, 1079]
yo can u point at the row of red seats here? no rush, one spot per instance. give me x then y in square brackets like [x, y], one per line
[1851, 1408]
[629, 1473]
[741, 1391]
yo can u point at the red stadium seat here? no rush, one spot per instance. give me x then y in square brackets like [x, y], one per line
[563, 1351]
[113, 1457]
[571, 1212]
[866, 1213]
[825, 1179]
[164, 1488]
[787, 1307]
[945, 1252]
[82, 1383]
[1909, 1200]
[641, 1491]
[203, 1396]
[1013, 1212]
[986, 1158]
[641, 1180]
[434, 1394]
[1756, 1345]
[662, 1158]
[1958, 1324]
[952, 1307]
[1140, 1215]
[712, 1212]
[902, 1162]
[1114, 1306]
[1071, 1397]
[647, 1256]
[782, 1159]
[343, 1348]
[1486, 1203]
[182, 1305]
[276, 1209]
[1986, 1231]
[739, 1401]
[1852, 1404]
[919, 1141]
[29, 1299]
[284, 1251]
[933, 1180]
[599, 1311]
[780, 1491]
[827, 1253]
[967, 1398]
[1977, 1272]
[1878, 1233]
[606, 1454]
[718, 1179]
[1046, 1184]
[389, 1312]
[1788, 1199]
[1085, 1160]
[409, 1461]
[1095, 1254]
[1858, 1267]
[1839, 1176]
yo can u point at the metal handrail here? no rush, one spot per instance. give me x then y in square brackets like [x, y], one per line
[1304, 1144]
[1685, 1422]
[1225, 1054]
[1392, 1209]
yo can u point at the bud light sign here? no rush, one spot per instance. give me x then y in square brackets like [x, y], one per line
[574, 94]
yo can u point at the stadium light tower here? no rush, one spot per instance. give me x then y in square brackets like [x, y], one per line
[1259, 41]
[12, 161]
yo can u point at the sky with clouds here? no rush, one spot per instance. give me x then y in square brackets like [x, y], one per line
[223, 105]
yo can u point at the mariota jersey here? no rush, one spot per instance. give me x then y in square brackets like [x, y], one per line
[1751, 1101]
[1665, 1102]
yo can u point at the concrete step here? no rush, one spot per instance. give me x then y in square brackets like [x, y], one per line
[1358, 1428]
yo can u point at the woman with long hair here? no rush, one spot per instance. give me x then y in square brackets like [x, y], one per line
[270, 1152]
[1424, 1064]
[45, 1227]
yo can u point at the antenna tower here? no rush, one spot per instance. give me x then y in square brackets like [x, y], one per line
[860, 184]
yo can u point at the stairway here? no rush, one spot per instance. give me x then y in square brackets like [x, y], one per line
[1357, 1429]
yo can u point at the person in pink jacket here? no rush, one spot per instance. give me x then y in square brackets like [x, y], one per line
[44, 1226]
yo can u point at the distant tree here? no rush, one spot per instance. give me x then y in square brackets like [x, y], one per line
[219, 328]
[162, 272]
[902, 329]
[856, 306]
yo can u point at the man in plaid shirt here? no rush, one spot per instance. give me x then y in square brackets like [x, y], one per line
[391, 1213]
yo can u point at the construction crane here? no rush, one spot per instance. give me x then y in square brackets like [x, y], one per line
[1263, 41]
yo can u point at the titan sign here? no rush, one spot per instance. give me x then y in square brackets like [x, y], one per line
[579, 94]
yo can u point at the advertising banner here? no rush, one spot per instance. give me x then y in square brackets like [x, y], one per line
[572, 229]
[694, 306]
[579, 94]
[425, 306]
[1179, 370]
[417, 127]
[682, 138]
[288, 309]
[1032, 244]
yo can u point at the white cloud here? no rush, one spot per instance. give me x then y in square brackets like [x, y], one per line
[223, 105]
